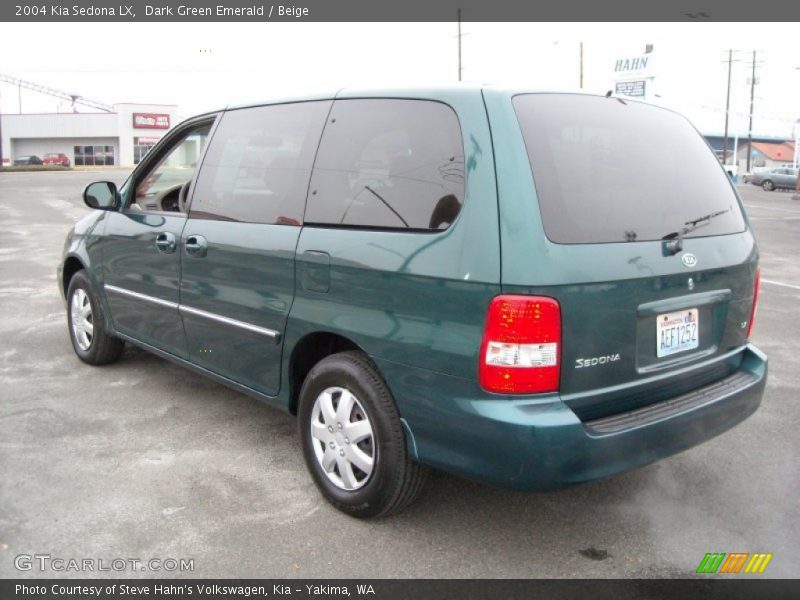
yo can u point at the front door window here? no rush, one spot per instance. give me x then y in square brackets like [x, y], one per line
[165, 186]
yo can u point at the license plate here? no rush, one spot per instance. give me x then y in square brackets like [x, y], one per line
[677, 332]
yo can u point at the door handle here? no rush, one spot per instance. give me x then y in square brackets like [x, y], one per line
[196, 245]
[165, 242]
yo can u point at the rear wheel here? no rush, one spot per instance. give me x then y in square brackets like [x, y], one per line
[91, 342]
[353, 441]
[768, 185]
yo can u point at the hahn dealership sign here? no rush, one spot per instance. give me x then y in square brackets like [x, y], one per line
[633, 74]
[631, 66]
[150, 121]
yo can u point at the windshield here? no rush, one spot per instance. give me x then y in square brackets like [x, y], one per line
[608, 170]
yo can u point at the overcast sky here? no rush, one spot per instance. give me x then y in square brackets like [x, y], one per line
[201, 67]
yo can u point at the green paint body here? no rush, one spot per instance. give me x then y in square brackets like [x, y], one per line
[416, 304]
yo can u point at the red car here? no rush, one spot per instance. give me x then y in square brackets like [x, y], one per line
[56, 158]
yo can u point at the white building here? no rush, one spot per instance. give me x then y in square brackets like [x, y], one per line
[121, 137]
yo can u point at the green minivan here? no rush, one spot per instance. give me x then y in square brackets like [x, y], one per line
[528, 289]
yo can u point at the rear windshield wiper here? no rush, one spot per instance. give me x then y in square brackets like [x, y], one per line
[674, 240]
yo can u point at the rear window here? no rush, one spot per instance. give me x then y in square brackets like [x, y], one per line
[608, 170]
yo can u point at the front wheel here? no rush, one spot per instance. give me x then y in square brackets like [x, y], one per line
[353, 441]
[91, 342]
[768, 185]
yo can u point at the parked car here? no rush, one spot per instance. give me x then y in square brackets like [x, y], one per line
[56, 158]
[515, 287]
[777, 178]
[27, 160]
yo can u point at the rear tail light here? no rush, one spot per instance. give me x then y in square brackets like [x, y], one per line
[521, 348]
[756, 290]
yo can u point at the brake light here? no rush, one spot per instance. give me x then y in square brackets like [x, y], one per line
[521, 348]
[756, 290]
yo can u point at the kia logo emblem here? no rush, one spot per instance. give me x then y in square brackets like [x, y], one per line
[689, 260]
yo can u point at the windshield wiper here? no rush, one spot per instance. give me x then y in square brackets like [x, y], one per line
[707, 217]
[674, 240]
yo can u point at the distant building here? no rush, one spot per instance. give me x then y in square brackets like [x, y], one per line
[117, 138]
[767, 152]
[767, 155]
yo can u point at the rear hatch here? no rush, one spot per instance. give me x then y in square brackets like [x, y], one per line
[644, 245]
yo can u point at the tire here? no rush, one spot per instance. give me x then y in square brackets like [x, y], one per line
[92, 344]
[392, 481]
[768, 186]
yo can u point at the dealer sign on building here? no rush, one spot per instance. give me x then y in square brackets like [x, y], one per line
[150, 121]
[633, 75]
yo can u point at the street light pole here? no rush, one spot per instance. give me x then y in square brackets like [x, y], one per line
[459, 44]
[727, 110]
[750, 127]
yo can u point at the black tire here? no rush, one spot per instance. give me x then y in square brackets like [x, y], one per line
[768, 186]
[395, 481]
[102, 348]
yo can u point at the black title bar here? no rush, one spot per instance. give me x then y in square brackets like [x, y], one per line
[734, 588]
[395, 10]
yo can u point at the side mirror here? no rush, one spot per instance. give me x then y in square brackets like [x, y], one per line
[101, 195]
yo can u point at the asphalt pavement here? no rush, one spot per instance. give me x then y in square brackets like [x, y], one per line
[145, 460]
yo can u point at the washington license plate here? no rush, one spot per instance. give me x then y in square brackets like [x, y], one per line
[677, 332]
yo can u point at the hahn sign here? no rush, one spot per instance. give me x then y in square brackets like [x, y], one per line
[150, 121]
[631, 66]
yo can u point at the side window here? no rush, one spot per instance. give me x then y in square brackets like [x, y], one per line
[389, 164]
[257, 167]
[164, 187]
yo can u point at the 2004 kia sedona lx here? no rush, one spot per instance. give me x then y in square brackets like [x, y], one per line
[525, 289]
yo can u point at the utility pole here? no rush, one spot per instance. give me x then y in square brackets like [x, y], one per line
[459, 44]
[727, 110]
[2, 164]
[581, 65]
[796, 195]
[750, 126]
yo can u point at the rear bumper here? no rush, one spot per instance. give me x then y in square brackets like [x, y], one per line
[539, 443]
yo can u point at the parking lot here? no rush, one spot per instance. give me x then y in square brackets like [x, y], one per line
[143, 459]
